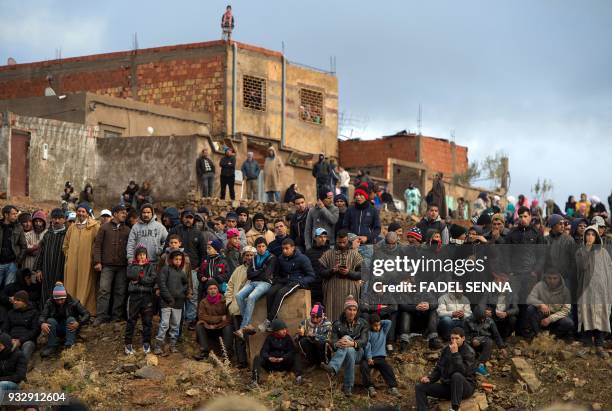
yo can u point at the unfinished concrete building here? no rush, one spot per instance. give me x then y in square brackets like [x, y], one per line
[248, 98]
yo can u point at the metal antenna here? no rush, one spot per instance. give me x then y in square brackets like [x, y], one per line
[420, 119]
[135, 42]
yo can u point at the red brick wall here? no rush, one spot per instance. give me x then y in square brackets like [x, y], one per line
[436, 153]
[176, 77]
[356, 154]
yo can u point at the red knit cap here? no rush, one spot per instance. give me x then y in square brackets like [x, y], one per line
[361, 191]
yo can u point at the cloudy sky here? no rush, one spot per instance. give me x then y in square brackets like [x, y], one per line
[530, 78]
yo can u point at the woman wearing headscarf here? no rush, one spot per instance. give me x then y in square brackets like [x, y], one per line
[570, 207]
[594, 289]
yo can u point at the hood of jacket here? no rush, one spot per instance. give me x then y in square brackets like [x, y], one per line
[173, 214]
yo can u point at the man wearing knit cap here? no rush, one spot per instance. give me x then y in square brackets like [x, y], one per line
[79, 276]
[231, 221]
[414, 236]
[277, 354]
[313, 334]
[561, 249]
[340, 201]
[62, 316]
[244, 222]
[498, 231]
[259, 229]
[22, 324]
[348, 338]
[362, 218]
[458, 234]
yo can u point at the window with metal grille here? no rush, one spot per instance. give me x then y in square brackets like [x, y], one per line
[254, 93]
[311, 106]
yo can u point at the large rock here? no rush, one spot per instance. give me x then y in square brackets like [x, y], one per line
[526, 373]
[477, 402]
[150, 373]
[295, 308]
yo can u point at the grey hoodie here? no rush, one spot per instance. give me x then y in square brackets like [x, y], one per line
[152, 235]
[324, 218]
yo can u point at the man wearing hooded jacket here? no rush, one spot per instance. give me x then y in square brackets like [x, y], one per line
[148, 232]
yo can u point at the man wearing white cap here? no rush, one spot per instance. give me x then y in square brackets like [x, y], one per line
[105, 217]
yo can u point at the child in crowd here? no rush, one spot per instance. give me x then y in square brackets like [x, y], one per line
[214, 267]
[480, 331]
[174, 289]
[232, 250]
[142, 278]
[213, 322]
[277, 354]
[313, 335]
[375, 356]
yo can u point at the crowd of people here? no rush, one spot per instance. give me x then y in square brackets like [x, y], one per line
[204, 273]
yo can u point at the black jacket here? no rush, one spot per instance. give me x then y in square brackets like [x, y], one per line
[9, 290]
[71, 308]
[201, 166]
[276, 245]
[142, 279]
[358, 331]
[22, 324]
[528, 257]
[363, 220]
[228, 166]
[13, 365]
[277, 347]
[463, 362]
[18, 240]
[193, 241]
[297, 226]
[173, 287]
[265, 272]
[294, 269]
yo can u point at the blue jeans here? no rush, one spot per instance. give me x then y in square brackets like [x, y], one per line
[60, 329]
[191, 305]
[169, 323]
[248, 296]
[344, 191]
[7, 274]
[446, 324]
[346, 358]
[273, 196]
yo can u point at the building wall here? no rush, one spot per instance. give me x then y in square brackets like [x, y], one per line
[300, 135]
[168, 163]
[187, 76]
[195, 77]
[436, 154]
[356, 154]
[71, 155]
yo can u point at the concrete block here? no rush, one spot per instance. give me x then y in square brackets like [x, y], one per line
[295, 308]
[525, 372]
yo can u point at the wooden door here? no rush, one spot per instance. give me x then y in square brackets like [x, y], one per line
[20, 147]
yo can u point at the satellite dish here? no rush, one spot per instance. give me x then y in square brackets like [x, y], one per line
[49, 92]
[11, 61]
[150, 130]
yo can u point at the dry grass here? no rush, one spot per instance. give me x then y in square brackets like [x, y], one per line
[546, 343]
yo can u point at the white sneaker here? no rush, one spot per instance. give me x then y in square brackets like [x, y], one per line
[264, 326]
[129, 350]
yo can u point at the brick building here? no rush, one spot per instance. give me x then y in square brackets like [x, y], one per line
[254, 97]
[404, 158]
